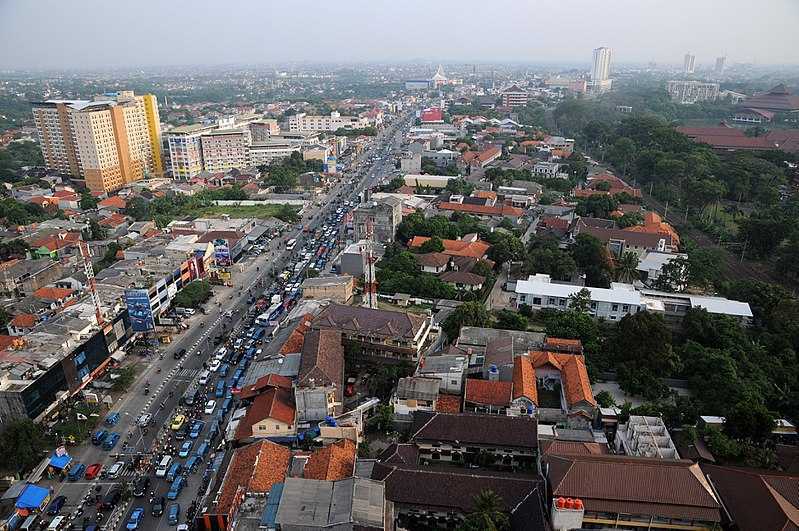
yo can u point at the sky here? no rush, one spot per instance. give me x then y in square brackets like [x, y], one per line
[91, 34]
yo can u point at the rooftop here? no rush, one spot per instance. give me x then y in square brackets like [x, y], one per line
[253, 468]
[467, 428]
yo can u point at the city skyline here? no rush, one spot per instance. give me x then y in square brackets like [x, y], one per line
[50, 35]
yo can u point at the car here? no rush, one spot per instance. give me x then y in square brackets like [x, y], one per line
[214, 366]
[185, 449]
[177, 486]
[116, 469]
[110, 441]
[112, 419]
[135, 518]
[219, 392]
[157, 507]
[94, 470]
[56, 505]
[173, 514]
[210, 406]
[196, 429]
[180, 353]
[223, 370]
[140, 486]
[144, 420]
[112, 497]
[177, 422]
[77, 472]
[183, 432]
[99, 436]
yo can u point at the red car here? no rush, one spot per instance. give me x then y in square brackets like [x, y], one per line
[93, 471]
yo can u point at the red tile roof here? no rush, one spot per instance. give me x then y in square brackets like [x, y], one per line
[560, 447]
[112, 202]
[332, 463]
[114, 220]
[53, 294]
[275, 403]
[24, 320]
[483, 210]
[253, 468]
[488, 392]
[462, 277]
[265, 382]
[448, 403]
[573, 374]
[53, 242]
[524, 384]
[296, 339]
[322, 361]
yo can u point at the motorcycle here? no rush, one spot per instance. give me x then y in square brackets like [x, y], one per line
[146, 391]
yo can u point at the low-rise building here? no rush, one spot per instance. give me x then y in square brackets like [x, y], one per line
[334, 288]
[414, 393]
[644, 436]
[20, 278]
[378, 220]
[377, 333]
[303, 122]
[448, 369]
[687, 92]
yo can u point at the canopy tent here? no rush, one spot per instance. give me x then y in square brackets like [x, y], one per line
[33, 497]
[60, 461]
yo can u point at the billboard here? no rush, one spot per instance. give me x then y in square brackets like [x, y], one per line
[222, 253]
[139, 310]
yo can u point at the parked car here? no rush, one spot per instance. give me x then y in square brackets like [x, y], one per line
[56, 505]
[210, 406]
[77, 472]
[112, 419]
[93, 471]
[135, 518]
[99, 436]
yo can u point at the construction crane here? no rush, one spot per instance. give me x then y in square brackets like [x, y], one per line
[88, 268]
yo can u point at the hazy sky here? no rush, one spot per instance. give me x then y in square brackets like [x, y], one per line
[92, 33]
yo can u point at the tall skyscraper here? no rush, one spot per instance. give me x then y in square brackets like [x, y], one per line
[689, 63]
[110, 141]
[600, 70]
[721, 62]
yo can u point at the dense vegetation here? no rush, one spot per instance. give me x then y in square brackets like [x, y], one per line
[193, 295]
[17, 155]
[284, 174]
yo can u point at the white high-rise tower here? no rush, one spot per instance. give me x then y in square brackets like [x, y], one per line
[600, 69]
[689, 63]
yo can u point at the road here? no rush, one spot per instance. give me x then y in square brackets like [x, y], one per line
[169, 378]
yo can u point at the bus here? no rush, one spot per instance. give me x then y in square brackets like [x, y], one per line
[290, 244]
[269, 315]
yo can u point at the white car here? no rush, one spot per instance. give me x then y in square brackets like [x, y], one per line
[210, 406]
[116, 469]
[214, 365]
[144, 420]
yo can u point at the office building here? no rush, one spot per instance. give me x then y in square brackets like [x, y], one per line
[513, 96]
[263, 130]
[721, 63]
[225, 149]
[600, 70]
[689, 63]
[110, 141]
[331, 122]
[688, 92]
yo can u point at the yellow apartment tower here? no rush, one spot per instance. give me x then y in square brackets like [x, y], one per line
[110, 141]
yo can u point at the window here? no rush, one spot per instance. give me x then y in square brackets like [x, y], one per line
[551, 300]
[593, 306]
[615, 308]
[536, 301]
[562, 302]
[625, 308]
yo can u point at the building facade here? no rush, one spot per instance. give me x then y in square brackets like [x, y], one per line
[225, 149]
[111, 141]
[331, 122]
[514, 97]
[378, 218]
[600, 70]
[688, 92]
[689, 63]
[185, 150]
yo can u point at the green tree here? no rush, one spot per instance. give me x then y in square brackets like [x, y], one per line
[87, 201]
[488, 514]
[580, 301]
[472, 313]
[627, 267]
[622, 153]
[137, 208]
[505, 248]
[673, 276]
[510, 320]
[95, 231]
[630, 220]
[593, 258]
[433, 245]
[459, 186]
[193, 294]
[604, 399]
[749, 420]
[23, 444]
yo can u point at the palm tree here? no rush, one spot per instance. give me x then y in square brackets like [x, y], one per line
[627, 267]
[488, 514]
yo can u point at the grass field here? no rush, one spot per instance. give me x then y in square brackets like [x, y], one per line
[250, 211]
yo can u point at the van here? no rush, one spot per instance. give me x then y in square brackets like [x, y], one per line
[202, 450]
[226, 404]
[99, 436]
[174, 472]
[177, 486]
[163, 466]
[204, 377]
[59, 522]
[116, 469]
[173, 515]
[191, 464]
[219, 392]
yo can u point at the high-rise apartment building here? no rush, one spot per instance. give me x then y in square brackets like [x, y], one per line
[721, 63]
[688, 92]
[110, 141]
[263, 130]
[689, 63]
[185, 150]
[225, 149]
[600, 70]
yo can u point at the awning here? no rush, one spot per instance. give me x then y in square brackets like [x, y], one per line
[61, 461]
[33, 497]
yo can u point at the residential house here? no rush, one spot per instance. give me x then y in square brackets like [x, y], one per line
[448, 369]
[253, 469]
[470, 245]
[549, 170]
[414, 393]
[643, 436]
[56, 246]
[483, 158]
[377, 333]
[20, 278]
[322, 366]
[54, 297]
[22, 324]
[487, 396]
[463, 280]
[606, 184]
[333, 462]
[271, 414]
[658, 494]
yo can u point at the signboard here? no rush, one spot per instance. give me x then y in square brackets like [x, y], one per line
[222, 253]
[139, 310]
[171, 290]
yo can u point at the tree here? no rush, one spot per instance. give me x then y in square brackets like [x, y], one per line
[95, 231]
[552, 261]
[510, 320]
[580, 301]
[138, 209]
[433, 245]
[593, 259]
[749, 420]
[193, 294]
[505, 248]
[488, 514]
[604, 399]
[472, 313]
[23, 444]
[630, 220]
[788, 256]
[642, 351]
[87, 201]
[597, 206]
[459, 186]
[627, 267]
[673, 275]
[282, 178]
[622, 153]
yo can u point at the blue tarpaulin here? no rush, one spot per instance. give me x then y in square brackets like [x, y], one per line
[33, 497]
[60, 461]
